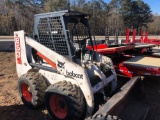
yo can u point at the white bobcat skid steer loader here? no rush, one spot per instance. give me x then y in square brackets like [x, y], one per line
[55, 67]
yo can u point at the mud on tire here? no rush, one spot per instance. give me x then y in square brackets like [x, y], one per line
[31, 87]
[65, 101]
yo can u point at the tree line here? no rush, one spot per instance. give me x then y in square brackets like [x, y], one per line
[116, 15]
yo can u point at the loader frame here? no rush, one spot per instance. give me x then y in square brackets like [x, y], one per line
[50, 53]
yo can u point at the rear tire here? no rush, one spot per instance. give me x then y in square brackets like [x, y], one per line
[31, 87]
[65, 101]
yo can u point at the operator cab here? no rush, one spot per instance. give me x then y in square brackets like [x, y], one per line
[65, 32]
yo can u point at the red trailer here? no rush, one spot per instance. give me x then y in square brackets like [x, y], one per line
[130, 63]
[132, 57]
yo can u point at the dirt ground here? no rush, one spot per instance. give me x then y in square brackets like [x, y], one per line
[11, 107]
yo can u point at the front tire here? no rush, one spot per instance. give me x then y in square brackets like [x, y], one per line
[65, 101]
[31, 87]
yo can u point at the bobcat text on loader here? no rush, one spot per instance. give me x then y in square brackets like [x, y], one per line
[56, 69]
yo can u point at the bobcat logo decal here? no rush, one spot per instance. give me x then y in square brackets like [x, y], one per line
[61, 64]
[61, 67]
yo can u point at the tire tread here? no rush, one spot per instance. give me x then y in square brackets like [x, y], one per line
[38, 84]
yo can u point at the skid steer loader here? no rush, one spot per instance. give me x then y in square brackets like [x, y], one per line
[56, 69]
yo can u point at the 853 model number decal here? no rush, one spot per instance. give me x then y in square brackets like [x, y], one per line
[18, 50]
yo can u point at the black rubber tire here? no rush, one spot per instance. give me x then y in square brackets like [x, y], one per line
[37, 86]
[101, 117]
[72, 97]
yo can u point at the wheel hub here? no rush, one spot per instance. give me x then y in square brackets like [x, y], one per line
[61, 104]
[26, 92]
[58, 106]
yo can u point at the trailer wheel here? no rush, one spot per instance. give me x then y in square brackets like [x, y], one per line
[31, 87]
[101, 117]
[65, 101]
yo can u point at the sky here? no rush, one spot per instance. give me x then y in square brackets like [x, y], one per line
[154, 5]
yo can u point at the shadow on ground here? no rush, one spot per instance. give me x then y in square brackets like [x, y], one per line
[21, 112]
